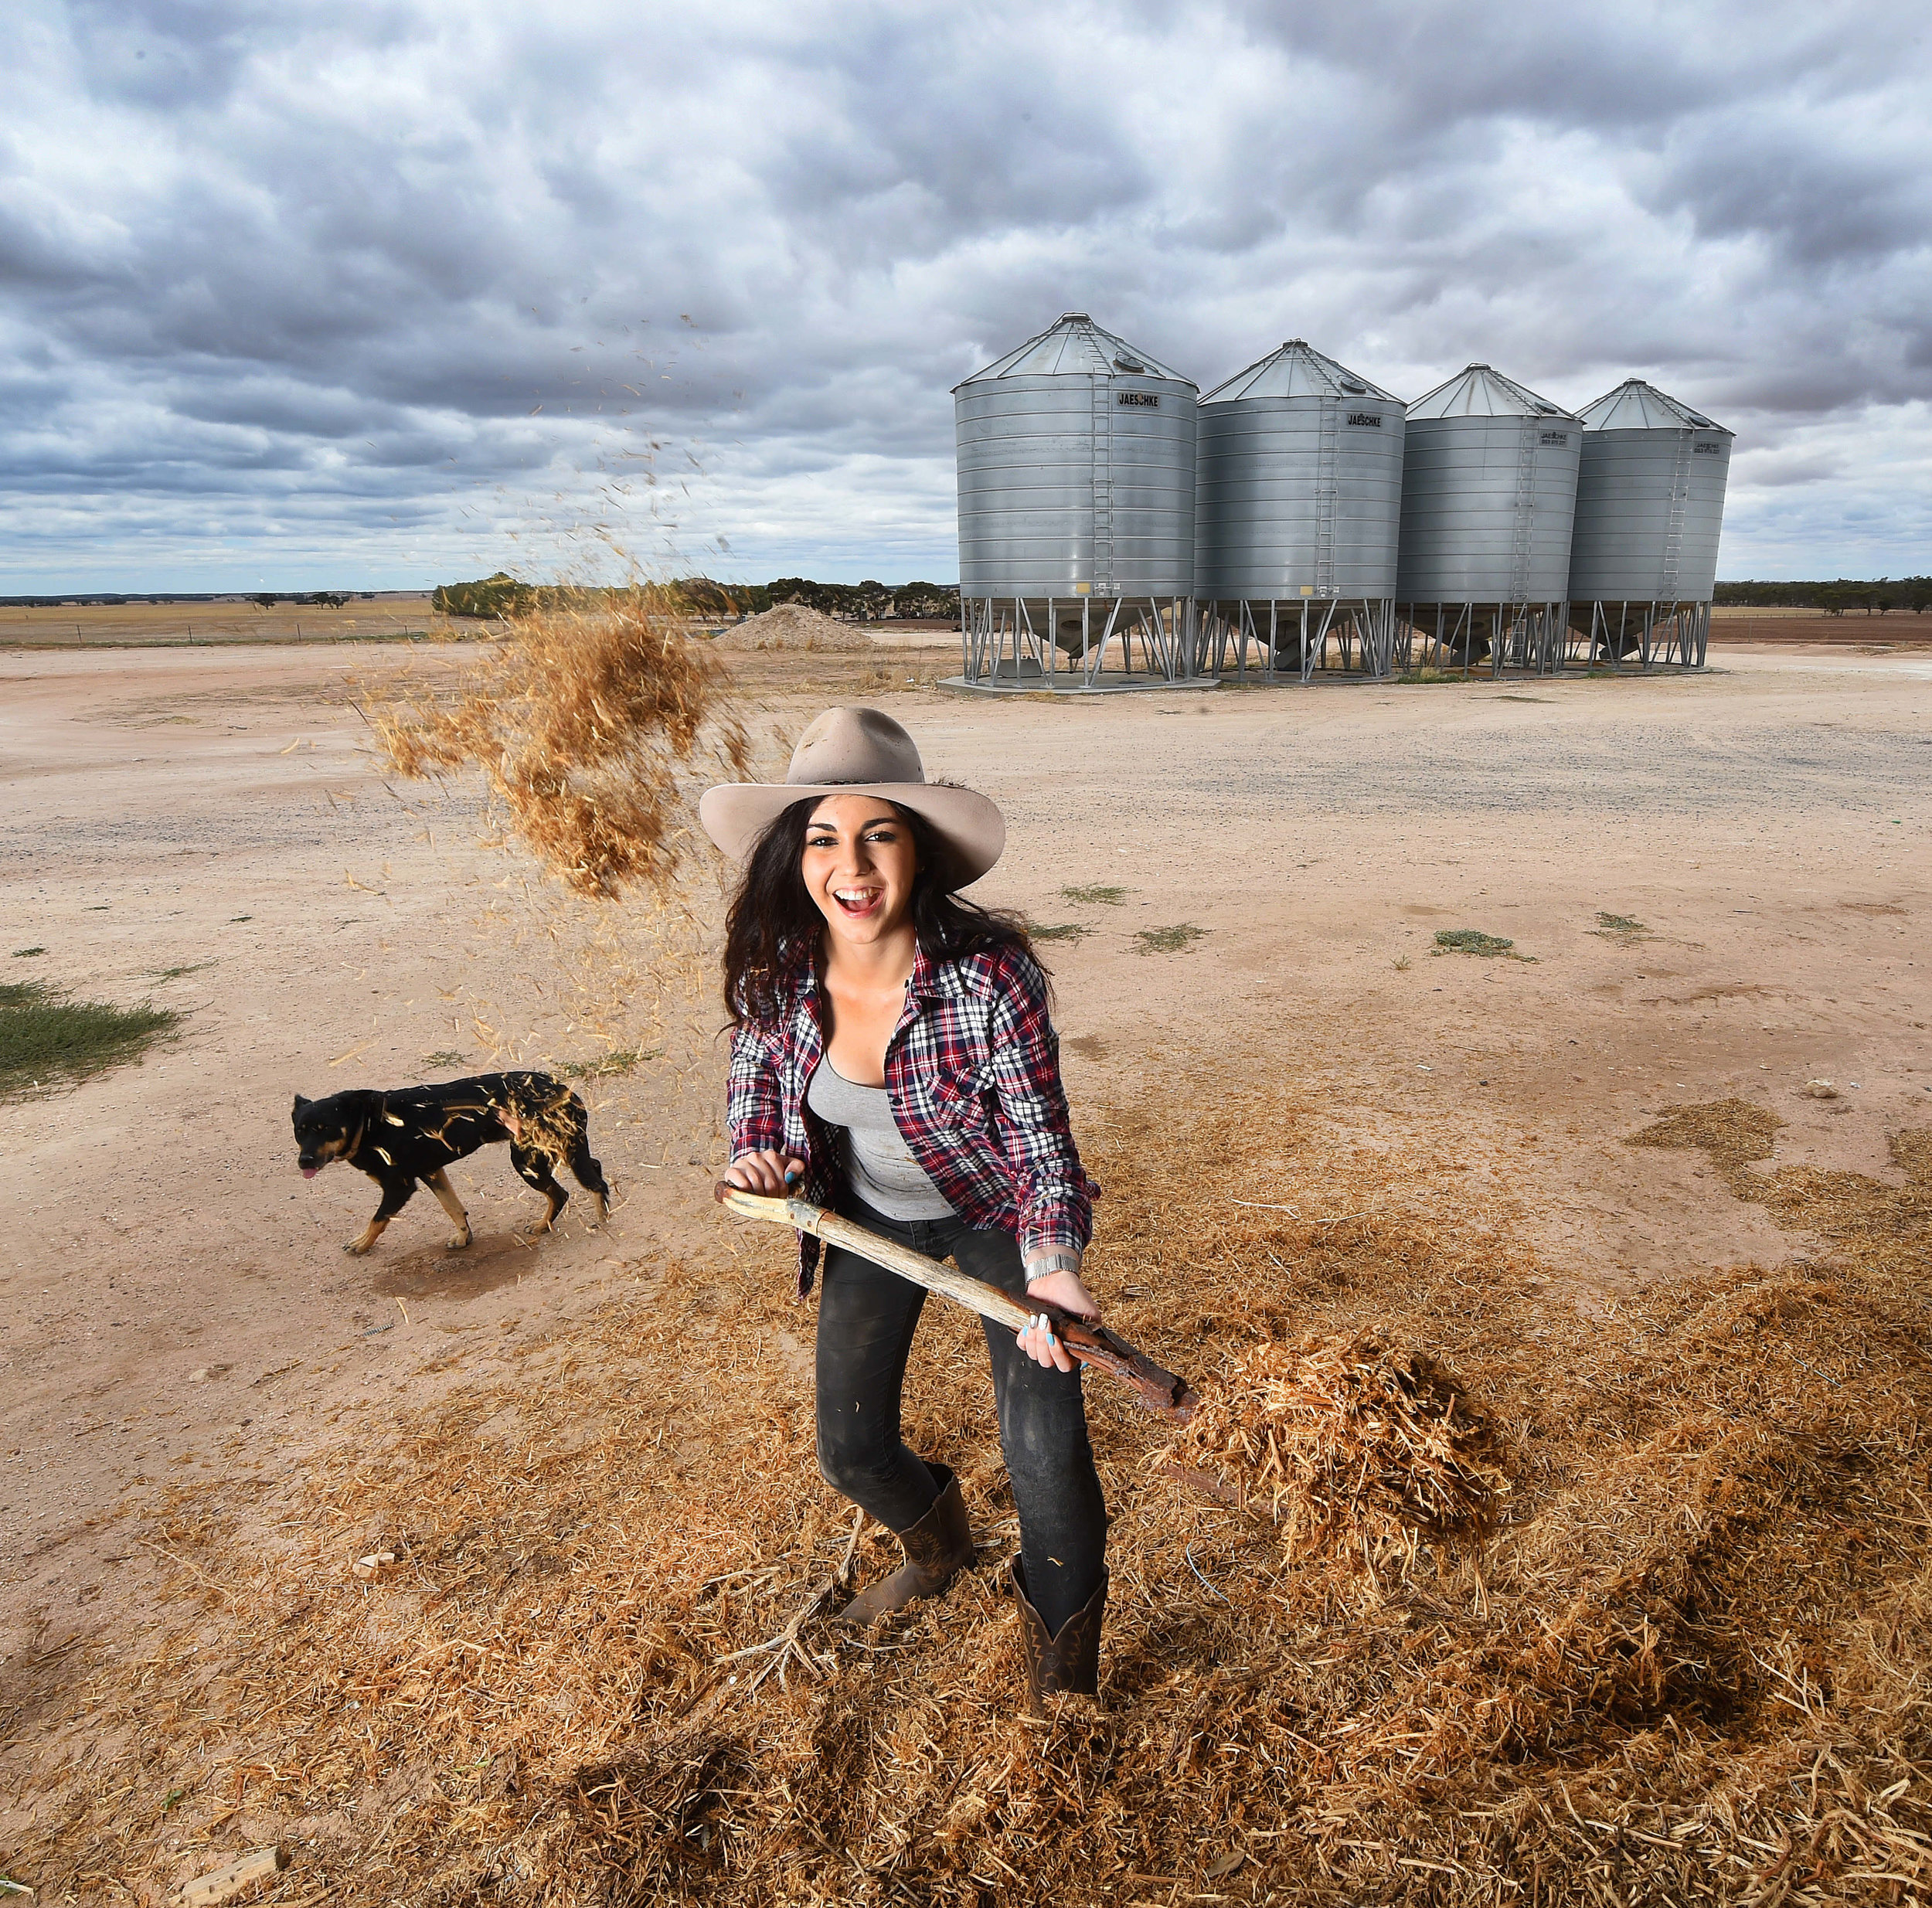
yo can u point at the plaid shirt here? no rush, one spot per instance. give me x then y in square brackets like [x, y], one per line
[973, 1070]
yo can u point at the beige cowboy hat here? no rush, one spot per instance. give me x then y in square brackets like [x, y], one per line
[859, 752]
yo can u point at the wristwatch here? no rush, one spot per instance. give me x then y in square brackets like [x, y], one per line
[1045, 1264]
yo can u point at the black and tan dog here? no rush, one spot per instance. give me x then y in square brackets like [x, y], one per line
[400, 1138]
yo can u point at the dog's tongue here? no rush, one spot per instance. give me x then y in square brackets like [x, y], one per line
[309, 1172]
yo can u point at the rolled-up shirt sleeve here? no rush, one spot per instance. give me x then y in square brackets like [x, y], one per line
[1055, 1194]
[754, 1115]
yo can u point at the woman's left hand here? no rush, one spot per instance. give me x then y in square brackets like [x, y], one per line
[1042, 1344]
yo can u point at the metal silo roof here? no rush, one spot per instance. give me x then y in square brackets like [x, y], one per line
[1480, 392]
[1636, 406]
[1074, 346]
[1296, 370]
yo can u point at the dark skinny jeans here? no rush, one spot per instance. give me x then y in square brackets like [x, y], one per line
[866, 1319]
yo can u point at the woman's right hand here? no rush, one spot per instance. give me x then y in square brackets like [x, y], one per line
[771, 1172]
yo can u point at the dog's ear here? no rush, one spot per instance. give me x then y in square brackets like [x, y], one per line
[300, 1103]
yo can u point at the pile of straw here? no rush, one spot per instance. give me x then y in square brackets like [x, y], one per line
[591, 726]
[1347, 1442]
[1688, 1663]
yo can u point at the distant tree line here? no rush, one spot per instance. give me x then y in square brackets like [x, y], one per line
[867, 602]
[1835, 599]
[498, 596]
[503, 595]
[321, 600]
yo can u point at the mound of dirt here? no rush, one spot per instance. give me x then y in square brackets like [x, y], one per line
[792, 626]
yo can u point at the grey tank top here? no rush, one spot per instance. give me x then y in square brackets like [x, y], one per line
[879, 1166]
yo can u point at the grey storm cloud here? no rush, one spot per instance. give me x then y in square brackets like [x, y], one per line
[386, 292]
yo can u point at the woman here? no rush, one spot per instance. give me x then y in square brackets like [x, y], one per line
[893, 1058]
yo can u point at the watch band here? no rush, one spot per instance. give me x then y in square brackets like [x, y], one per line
[1043, 1265]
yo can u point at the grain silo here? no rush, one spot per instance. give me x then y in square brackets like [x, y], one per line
[1076, 460]
[1650, 506]
[1488, 492]
[1298, 504]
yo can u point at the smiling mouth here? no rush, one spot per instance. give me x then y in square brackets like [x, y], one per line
[857, 902]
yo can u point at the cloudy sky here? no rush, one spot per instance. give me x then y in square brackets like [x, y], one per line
[379, 293]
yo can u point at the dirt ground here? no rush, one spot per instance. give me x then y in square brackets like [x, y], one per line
[1736, 623]
[201, 827]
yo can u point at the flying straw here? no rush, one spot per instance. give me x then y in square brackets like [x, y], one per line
[593, 721]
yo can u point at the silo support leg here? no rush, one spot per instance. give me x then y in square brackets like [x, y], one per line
[1313, 653]
[1096, 660]
[1382, 614]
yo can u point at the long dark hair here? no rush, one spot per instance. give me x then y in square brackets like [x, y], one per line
[772, 932]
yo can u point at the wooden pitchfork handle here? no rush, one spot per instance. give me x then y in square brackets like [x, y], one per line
[1154, 1388]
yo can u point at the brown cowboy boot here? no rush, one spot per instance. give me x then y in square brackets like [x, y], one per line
[1069, 1663]
[937, 1548]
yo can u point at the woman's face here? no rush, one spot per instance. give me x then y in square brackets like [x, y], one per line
[859, 866]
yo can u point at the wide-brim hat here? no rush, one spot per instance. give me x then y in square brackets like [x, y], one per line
[860, 752]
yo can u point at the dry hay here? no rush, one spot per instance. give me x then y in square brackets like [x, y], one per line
[792, 626]
[1350, 1442]
[592, 726]
[1688, 1663]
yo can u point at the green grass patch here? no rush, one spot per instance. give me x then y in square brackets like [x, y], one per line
[622, 1060]
[1471, 940]
[23, 954]
[1622, 928]
[444, 1056]
[1063, 931]
[46, 1039]
[1168, 939]
[174, 974]
[1099, 896]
